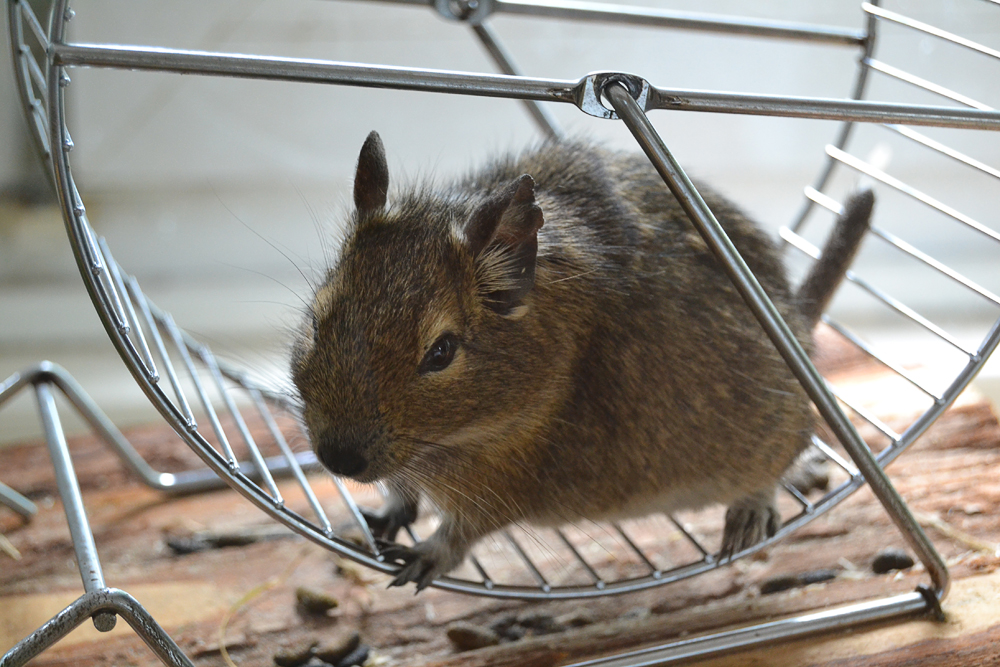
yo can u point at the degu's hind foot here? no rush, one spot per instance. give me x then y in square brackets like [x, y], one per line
[810, 472]
[426, 561]
[749, 520]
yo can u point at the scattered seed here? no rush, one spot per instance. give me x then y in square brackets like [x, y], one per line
[466, 636]
[538, 622]
[817, 576]
[334, 650]
[891, 559]
[787, 581]
[508, 628]
[294, 656]
[356, 657]
[778, 584]
[314, 602]
[636, 613]
[576, 619]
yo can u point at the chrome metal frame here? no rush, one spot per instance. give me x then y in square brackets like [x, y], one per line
[149, 341]
[99, 602]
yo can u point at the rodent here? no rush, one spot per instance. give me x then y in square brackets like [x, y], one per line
[548, 340]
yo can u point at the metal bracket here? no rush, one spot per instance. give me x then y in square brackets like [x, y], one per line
[469, 11]
[589, 93]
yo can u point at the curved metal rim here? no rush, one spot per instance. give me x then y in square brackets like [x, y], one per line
[81, 236]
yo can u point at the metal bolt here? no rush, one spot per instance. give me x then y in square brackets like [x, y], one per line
[68, 16]
[105, 621]
[462, 9]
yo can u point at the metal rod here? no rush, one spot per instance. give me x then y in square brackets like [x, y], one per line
[161, 349]
[487, 580]
[961, 381]
[69, 491]
[51, 373]
[867, 349]
[812, 251]
[527, 561]
[839, 619]
[658, 18]
[900, 186]
[924, 84]
[241, 425]
[412, 533]
[103, 426]
[895, 241]
[104, 602]
[807, 506]
[937, 146]
[150, 366]
[940, 267]
[17, 14]
[35, 70]
[866, 415]
[97, 264]
[206, 403]
[545, 121]
[834, 456]
[860, 83]
[598, 581]
[783, 338]
[928, 29]
[665, 18]
[496, 85]
[820, 108]
[293, 463]
[310, 70]
[908, 312]
[17, 502]
[684, 531]
[635, 548]
[352, 506]
[36, 27]
[106, 290]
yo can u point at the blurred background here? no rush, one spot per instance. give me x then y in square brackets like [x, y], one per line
[225, 196]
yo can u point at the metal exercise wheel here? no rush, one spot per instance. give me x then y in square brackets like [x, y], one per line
[208, 402]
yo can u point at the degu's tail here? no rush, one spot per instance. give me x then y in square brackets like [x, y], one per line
[819, 286]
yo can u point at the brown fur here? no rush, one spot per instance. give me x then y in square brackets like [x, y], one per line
[604, 366]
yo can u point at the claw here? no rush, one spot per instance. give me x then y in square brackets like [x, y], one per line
[748, 522]
[398, 513]
[417, 565]
[418, 569]
[397, 553]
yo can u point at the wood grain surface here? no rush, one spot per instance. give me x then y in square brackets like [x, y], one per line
[950, 478]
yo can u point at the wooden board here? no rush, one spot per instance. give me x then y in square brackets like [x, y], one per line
[950, 478]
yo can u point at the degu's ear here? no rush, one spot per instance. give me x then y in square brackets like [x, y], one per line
[371, 180]
[502, 234]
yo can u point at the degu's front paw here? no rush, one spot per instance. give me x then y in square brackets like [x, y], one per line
[749, 521]
[399, 511]
[421, 563]
[386, 524]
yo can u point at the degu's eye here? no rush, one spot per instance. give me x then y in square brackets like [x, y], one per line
[440, 355]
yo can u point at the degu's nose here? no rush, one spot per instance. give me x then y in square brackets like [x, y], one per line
[342, 454]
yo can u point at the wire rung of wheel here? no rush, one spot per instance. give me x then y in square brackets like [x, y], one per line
[927, 29]
[898, 185]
